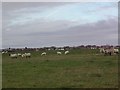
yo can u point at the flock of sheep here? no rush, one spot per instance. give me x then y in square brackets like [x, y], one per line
[109, 51]
[28, 55]
[105, 51]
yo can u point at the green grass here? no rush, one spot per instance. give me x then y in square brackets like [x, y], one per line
[79, 69]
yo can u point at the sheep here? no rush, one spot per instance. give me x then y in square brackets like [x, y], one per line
[116, 50]
[109, 51]
[102, 50]
[19, 54]
[62, 49]
[3, 52]
[13, 55]
[44, 53]
[23, 55]
[59, 53]
[26, 55]
[66, 52]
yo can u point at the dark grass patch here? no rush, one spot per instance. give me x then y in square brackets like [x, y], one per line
[95, 75]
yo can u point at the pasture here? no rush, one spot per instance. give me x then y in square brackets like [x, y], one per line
[81, 68]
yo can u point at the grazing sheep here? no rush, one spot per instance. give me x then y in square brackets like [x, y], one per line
[102, 50]
[59, 53]
[23, 55]
[66, 52]
[13, 55]
[116, 51]
[27, 55]
[109, 51]
[44, 53]
[3, 52]
[19, 54]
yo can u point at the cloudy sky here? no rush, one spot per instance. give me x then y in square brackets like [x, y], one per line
[0, 25]
[40, 24]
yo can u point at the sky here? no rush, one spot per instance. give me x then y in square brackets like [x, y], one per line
[0, 25]
[42, 24]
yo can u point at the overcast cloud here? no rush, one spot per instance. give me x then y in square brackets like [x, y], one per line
[40, 24]
[0, 25]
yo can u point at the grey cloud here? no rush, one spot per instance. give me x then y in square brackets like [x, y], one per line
[101, 32]
[11, 6]
[17, 12]
[0, 25]
[59, 33]
[41, 26]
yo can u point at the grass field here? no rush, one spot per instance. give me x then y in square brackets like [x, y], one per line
[82, 68]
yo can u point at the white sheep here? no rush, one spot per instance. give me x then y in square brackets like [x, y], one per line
[102, 50]
[59, 53]
[3, 52]
[44, 53]
[109, 51]
[66, 52]
[23, 55]
[116, 50]
[26, 55]
[19, 54]
[13, 55]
